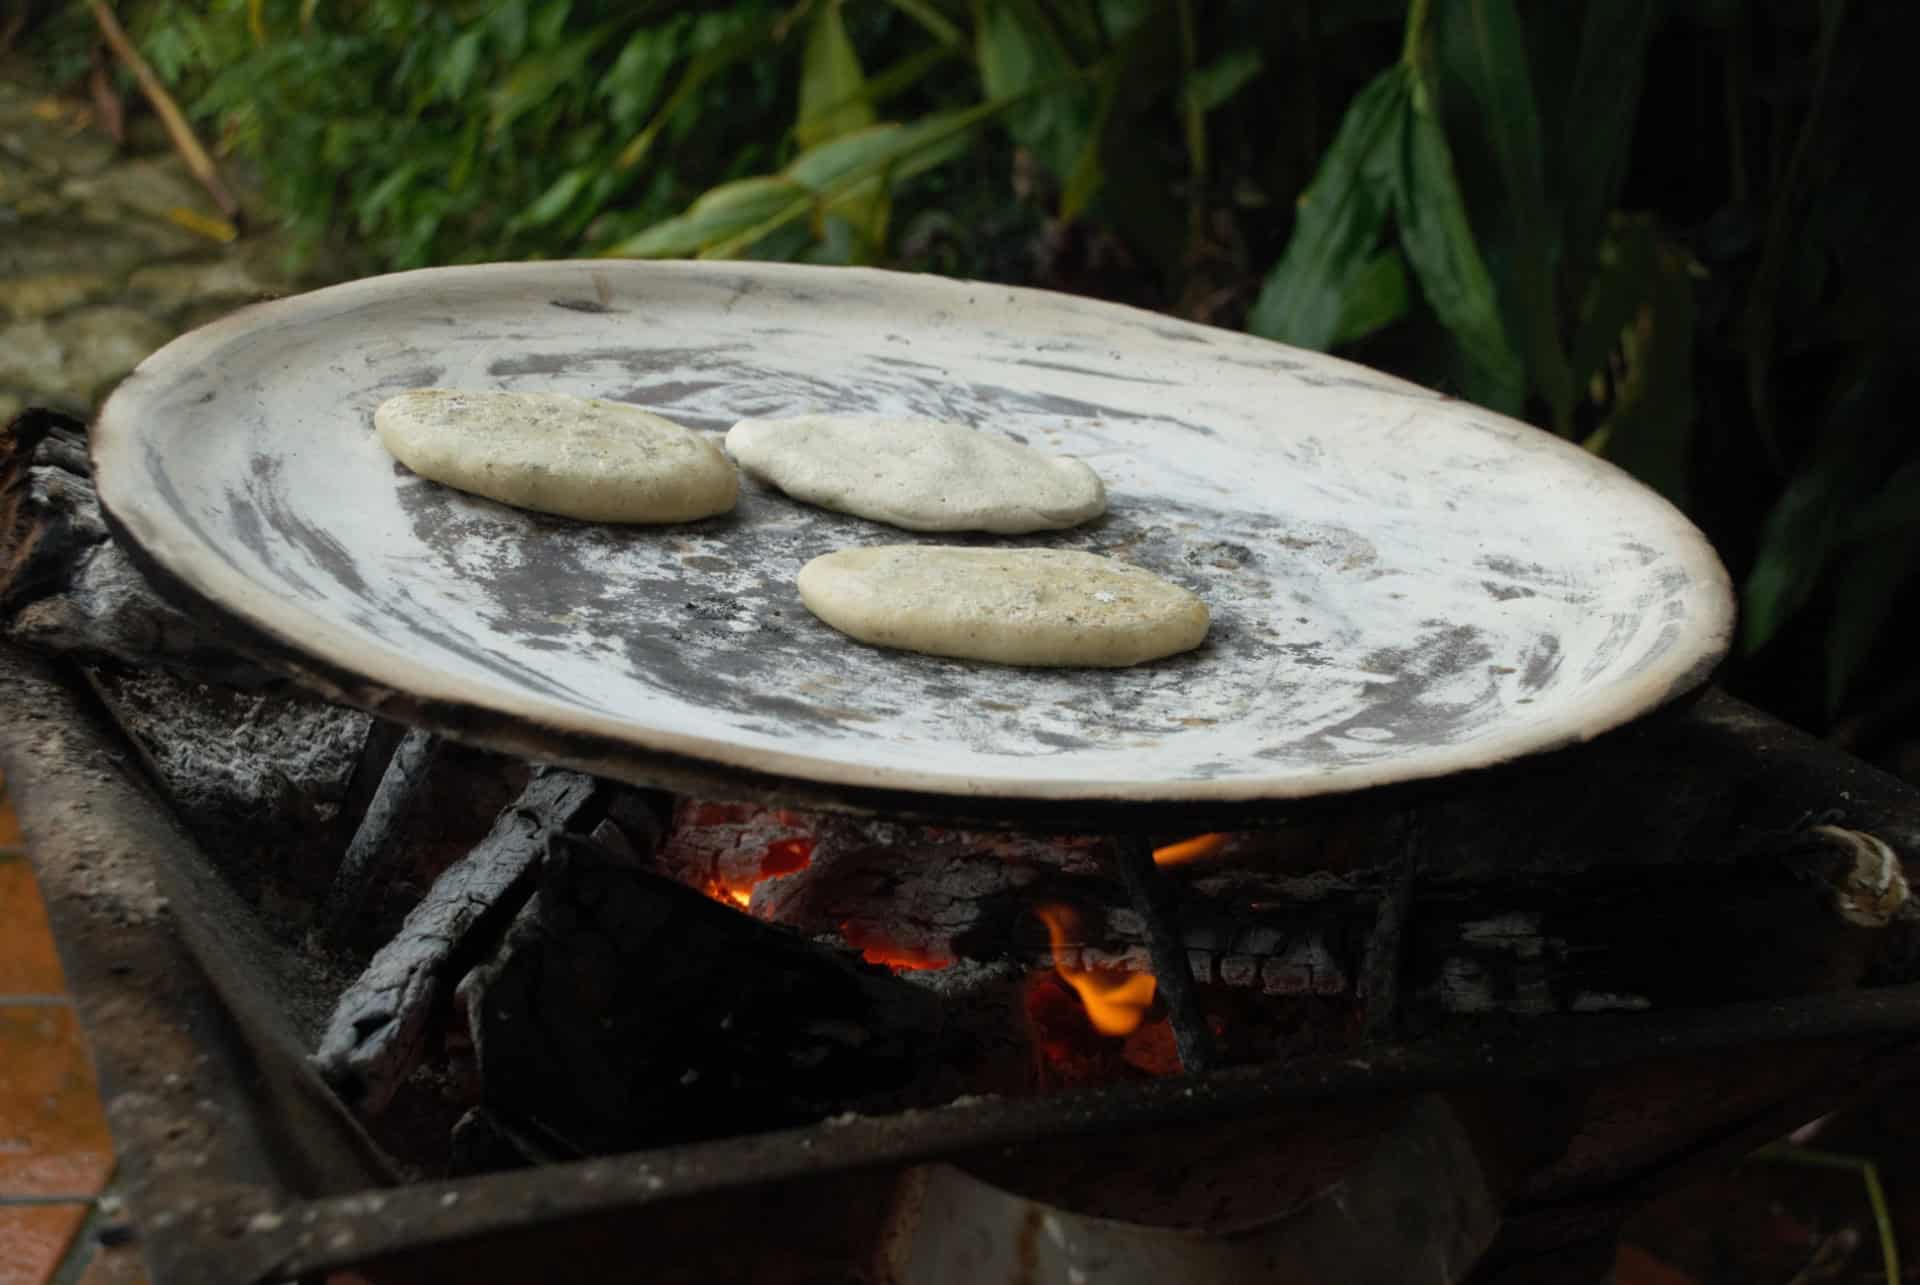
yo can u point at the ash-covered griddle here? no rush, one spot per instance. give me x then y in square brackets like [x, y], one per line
[1403, 586]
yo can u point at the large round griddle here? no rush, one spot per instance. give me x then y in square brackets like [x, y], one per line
[1403, 586]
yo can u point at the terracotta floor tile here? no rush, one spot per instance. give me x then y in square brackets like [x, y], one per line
[53, 1135]
[33, 1239]
[28, 964]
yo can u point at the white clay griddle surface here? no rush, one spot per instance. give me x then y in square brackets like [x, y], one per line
[1402, 586]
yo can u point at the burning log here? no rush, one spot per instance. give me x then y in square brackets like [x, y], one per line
[378, 1029]
[626, 1010]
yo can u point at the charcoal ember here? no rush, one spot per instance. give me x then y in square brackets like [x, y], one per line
[626, 1010]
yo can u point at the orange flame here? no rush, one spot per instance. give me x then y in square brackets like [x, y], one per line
[1115, 1001]
[781, 857]
[1200, 845]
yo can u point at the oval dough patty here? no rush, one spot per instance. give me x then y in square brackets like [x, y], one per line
[575, 456]
[920, 474]
[1010, 606]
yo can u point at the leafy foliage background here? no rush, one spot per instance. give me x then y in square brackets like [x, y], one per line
[1668, 229]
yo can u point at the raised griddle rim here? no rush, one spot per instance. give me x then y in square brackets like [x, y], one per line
[1243, 806]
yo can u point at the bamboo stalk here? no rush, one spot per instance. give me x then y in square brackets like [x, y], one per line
[169, 111]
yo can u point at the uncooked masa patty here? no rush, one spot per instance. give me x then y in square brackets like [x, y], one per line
[575, 456]
[920, 474]
[1010, 606]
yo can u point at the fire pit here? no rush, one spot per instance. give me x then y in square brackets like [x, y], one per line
[1279, 958]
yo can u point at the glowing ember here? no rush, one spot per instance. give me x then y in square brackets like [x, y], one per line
[1200, 845]
[781, 857]
[895, 955]
[1115, 1001]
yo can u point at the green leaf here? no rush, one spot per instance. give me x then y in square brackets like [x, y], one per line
[1804, 527]
[548, 24]
[1649, 430]
[1868, 588]
[1084, 181]
[833, 177]
[1438, 242]
[830, 80]
[1494, 68]
[705, 65]
[634, 81]
[554, 202]
[1376, 297]
[458, 64]
[933, 20]
[719, 215]
[1621, 281]
[1019, 53]
[1221, 79]
[1602, 104]
[536, 78]
[1339, 221]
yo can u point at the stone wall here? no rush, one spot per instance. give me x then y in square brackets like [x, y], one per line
[107, 251]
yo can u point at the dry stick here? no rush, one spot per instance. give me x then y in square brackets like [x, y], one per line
[170, 115]
[367, 858]
[1191, 1034]
[379, 1025]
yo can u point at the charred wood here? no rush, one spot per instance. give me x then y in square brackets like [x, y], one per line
[369, 856]
[379, 1026]
[626, 1010]
[67, 587]
[1132, 857]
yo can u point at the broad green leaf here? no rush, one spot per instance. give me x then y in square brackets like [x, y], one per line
[1871, 575]
[374, 204]
[1339, 220]
[1494, 69]
[634, 81]
[735, 217]
[1602, 104]
[1622, 280]
[1649, 430]
[701, 68]
[936, 23]
[1376, 297]
[548, 24]
[1224, 77]
[458, 64]
[830, 80]
[719, 215]
[1019, 53]
[553, 202]
[1087, 173]
[536, 77]
[509, 22]
[1805, 524]
[1439, 245]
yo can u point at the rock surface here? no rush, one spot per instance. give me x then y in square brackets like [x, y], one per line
[106, 251]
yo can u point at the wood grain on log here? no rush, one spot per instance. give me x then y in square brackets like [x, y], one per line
[378, 1029]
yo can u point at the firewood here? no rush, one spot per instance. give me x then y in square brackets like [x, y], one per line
[626, 1010]
[67, 587]
[378, 1029]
